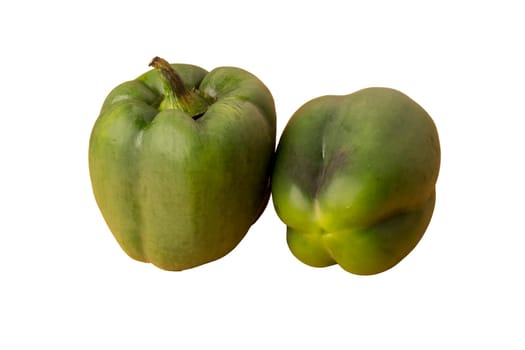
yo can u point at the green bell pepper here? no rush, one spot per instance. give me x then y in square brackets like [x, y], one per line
[354, 179]
[180, 162]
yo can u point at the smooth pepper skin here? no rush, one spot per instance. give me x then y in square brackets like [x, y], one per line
[354, 179]
[180, 191]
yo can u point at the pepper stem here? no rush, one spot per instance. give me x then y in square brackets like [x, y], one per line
[177, 95]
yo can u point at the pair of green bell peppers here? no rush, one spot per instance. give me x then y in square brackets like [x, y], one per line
[183, 162]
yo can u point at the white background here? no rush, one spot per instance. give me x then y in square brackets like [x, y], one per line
[65, 283]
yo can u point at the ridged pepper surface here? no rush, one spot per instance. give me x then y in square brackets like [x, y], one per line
[180, 161]
[354, 179]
